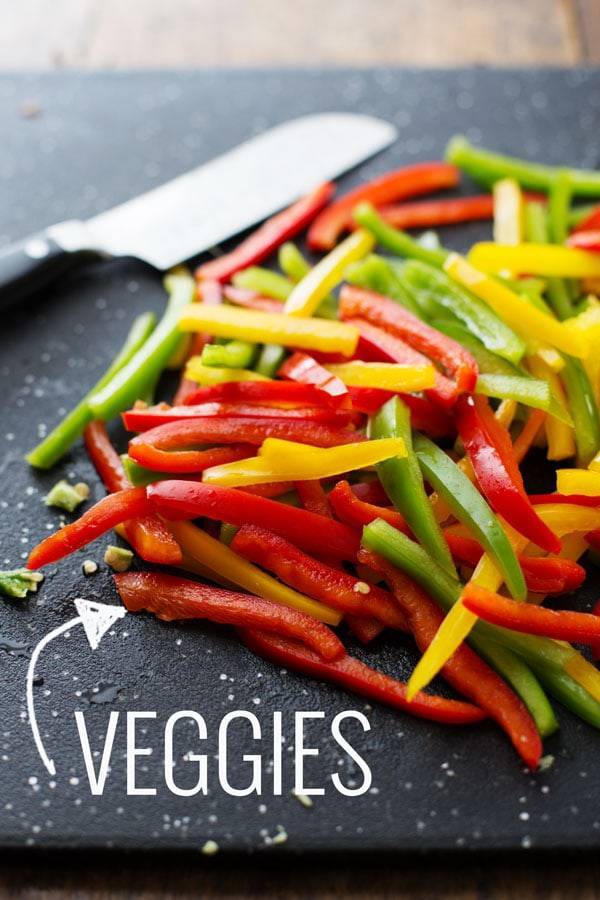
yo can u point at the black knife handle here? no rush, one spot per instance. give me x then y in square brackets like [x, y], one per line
[32, 264]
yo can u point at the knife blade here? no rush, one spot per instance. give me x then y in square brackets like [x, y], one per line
[198, 210]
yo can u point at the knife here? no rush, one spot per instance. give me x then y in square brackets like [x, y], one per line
[197, 210]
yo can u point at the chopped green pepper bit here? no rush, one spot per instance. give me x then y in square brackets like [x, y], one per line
[118, 558]
[61, 438]
[232, 355]
[18, 582]
[270, 359]
[67, 496]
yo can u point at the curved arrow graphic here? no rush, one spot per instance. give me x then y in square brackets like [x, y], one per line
[96, 619]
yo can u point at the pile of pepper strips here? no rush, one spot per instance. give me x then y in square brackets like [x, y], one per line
[358, 457]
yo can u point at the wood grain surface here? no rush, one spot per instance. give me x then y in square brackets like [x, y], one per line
[153, 33]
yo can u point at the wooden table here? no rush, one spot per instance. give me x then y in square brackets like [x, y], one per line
[154, 33]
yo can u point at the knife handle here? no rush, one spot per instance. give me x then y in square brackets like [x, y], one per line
[32, 264]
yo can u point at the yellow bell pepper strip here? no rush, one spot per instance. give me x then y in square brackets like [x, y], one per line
[588, 324]
[536, 259]
[509, 212]
[560, 437]
[199, 547]
[195, 370]
[595, 463]
[578, 481]
[276, 328]
[515, 311]
[506, 412]
[319, 281]
[296, 267]
[402, 379]
[61, 438]
[132, 381]
[280, 460]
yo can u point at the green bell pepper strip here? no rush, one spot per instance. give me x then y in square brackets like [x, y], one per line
[232, 355]
[269, 360]
[403, 483]
[523, 681]
[470, 508]
[140, 476]
[478, 318]
[487, 362]
[486, 167]
[445, 590]
[377, 274]
[583, 408]
[537, 231]
[295, 266]
[57, 443]
[264, 282]
[533, 392]
[227, 533]
[572, 695]
[559, 202]
[132, 381]
[398, 242]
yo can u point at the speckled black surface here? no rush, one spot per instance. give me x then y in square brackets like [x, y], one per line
[100, 139]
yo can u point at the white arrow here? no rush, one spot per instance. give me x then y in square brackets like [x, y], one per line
[96, 619]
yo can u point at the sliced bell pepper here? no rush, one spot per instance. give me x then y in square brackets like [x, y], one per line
[232, 355]
[358, 303]
[535, 259]
[560, 437]
[486, 167]
[303, 369]
[438, 212]
[588, 322]
[290, 331]
[393, 239]
[313, 497]
[143, 368]
[140, 419]
[375, 273]
[171, 599]
[516, 312]
[61, 438]
[207, 376]
[278, 393]
[534, 392]
[469, 507]
[509, 212]
[251, 299]
[315, 534]
[376, 344]
[490, 451]
[296, 267]
[289, 461]
[357, 512]
[268, 237]
[584, 409]
[319, 281]
[403, 483]
[331, 586]
[465, 671]
[112, 510]
[265, 282]
[585, 218]
[353, 675]
[578, 481]
[537, 231]
[528, 434]
[397, 377]
[430, 285]
[421, 178]
[270, 359]
[570, 499]
[366, 630]
[149, 536]
[563, 625]
[223, 563]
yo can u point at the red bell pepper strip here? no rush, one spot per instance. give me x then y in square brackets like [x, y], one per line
[274, 232]
[575, 499]
[358, 678]
[270, 488]
[368, 400]
[433, 213]
[211, 293]
[561, 625]
[591, 221]
[371, 492]
[585, 240]
[313, 497]
[302, 368]
[543, 574]
[376, 345]
[366, 630]
[171, 599]
[489, 448]
[318, 580]
[251, 300]
[356, 302]
[159, 448]
[149, 536]
[114, 509]
[313, 533]
[143, 419]
[421, 178]
[465, 671]
[358, 513]
[263, 392]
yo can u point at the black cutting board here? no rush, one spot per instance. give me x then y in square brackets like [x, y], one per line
[99, 139]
